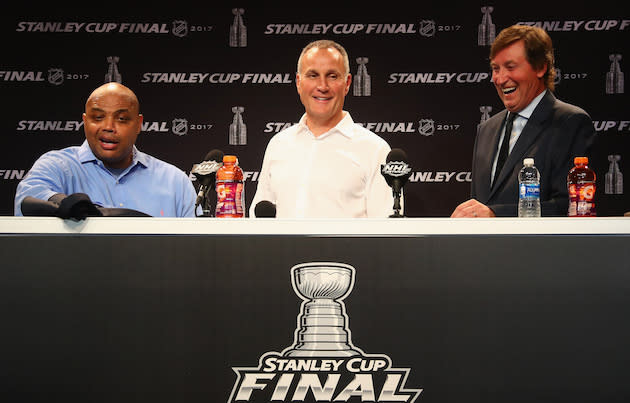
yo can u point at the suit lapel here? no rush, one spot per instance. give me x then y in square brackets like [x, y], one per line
[532, 130]
[491, 144]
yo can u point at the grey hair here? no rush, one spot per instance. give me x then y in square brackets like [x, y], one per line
[325, 44]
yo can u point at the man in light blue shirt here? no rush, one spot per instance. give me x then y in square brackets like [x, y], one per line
[108, 167]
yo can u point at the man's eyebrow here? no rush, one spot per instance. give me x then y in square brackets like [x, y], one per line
[97, 109]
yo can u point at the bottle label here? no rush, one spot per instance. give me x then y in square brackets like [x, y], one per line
[581, 199]
[229, 199]
[529, 191]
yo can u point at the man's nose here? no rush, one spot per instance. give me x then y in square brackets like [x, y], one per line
[322, 84]
[108, 123]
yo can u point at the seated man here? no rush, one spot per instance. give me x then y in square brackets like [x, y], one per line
[535, 124]
[326, 166]
[108, 167]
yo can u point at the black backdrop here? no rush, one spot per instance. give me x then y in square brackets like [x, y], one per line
[483, 324]
[428, 69]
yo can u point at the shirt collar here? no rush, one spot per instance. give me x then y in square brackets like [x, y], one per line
[344, 127]
[86, 155]
[529, 109]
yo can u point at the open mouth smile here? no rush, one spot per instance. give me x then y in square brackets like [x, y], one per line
[507, 91]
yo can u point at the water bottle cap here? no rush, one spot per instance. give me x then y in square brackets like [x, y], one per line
[229, 159]
[528, 162]
[580, 160]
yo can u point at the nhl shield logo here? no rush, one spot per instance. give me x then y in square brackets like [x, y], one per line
[180, 126]
[558, 76]
[55, 76]
[426, 127]
[180, 28]
[427, 28]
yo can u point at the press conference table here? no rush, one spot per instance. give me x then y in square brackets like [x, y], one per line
[162, 310]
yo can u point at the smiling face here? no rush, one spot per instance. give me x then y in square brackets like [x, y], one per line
[516, 81]
[112, 123]
[322, 83]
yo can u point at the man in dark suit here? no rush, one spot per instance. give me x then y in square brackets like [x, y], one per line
[539, 125]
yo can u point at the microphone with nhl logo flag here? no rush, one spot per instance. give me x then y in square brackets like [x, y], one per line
[396, 171]
[206, 176]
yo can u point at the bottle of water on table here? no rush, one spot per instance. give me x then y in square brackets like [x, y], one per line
[529, 190]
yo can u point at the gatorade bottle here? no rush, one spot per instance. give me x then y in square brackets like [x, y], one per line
[230, 189]
[581, 186]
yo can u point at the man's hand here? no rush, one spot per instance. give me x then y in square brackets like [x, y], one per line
[472, 209]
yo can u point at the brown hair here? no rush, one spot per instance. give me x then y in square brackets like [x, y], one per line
[538, 48]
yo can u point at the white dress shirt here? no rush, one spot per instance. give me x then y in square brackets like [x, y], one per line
[517, 127]
[334, 175]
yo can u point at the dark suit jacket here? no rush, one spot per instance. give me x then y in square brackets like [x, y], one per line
[555, 133]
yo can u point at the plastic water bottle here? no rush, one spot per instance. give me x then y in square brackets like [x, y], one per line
[581, 186]
[529, 190]
[230, 189]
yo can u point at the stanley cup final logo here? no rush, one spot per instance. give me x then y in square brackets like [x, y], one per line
[486, 31]
[113, 75]
[322, 364]
[238, 30]
[322, 325]
[238, 129]
[614, 77]
[362, 81]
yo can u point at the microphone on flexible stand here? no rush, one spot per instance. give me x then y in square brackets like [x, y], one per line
[265, 209]
[396, 171]
[206, 173]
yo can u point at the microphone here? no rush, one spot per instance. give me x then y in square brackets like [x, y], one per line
[205, 173]
[396, 171]
[265, 209]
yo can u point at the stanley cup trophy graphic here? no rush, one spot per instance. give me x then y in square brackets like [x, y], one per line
[362, 81]
[614, 177]
[238, 129]
[112, 71]
[238, 30]
[322, 328]
[486, 31]
[485, 114]
[614, 77]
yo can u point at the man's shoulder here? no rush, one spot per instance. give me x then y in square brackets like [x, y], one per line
[283, 135]
[492, 122]
[62, 155]
[360, 133]
[156, 164]
[566, 108]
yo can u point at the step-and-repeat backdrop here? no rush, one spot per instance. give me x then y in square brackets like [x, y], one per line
[223, 77]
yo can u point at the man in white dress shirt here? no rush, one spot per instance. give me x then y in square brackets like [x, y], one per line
[326, 166]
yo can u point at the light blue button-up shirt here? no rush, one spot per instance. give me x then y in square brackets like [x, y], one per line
[148, 185]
